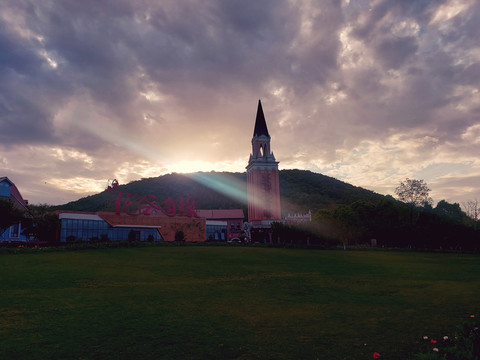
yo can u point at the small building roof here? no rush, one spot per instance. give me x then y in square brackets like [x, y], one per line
[121, 220]
[72, 215]
[214, 214]
[15, 194]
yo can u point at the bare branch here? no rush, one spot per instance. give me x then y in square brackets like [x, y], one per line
[472, 209]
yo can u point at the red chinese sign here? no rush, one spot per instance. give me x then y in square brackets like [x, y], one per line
[135, 204]
[147, 205]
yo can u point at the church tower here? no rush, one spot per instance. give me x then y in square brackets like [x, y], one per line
[263, 188]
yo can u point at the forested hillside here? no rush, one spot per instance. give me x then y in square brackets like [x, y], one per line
[300, 190]
[303, 190]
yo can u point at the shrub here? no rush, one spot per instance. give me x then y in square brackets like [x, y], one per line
[463, 345]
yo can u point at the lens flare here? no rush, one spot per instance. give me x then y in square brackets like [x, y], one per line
[222, 183]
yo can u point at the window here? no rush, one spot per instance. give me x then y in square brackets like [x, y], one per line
[15, 231]
[216, 232]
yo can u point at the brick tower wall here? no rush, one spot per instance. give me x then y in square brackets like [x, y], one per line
[263, 195]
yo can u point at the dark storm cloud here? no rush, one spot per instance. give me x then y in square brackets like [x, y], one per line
[16, 55]
[392, 53]
[432, 59]
[88, 40]
[25, 102]
[221, 43]
[421, 11]
[101, 47]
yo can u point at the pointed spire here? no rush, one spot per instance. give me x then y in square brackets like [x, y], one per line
[260, 124]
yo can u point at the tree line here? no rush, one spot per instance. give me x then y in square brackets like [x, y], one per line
[410, 221]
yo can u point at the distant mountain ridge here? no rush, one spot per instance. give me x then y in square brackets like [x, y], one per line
[300, 191]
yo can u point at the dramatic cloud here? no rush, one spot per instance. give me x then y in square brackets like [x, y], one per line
[370, 92]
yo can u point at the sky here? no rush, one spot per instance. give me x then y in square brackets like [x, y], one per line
[368, 92]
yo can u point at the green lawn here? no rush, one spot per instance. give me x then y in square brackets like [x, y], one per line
[230, 303]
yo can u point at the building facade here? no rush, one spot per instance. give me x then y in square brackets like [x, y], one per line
[263, 189]
[222, 224]
[108, 226]
[297, 218]
[9, 192]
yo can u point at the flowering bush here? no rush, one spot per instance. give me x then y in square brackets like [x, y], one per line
[465, 345]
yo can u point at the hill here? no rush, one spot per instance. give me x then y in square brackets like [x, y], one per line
[300, 191]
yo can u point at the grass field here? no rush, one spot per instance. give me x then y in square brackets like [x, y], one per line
[230, 303]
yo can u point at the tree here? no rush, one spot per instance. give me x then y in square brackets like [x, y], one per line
[473, 211]
[413, 192]
[9, 215]
[41, 223]
[452, 211]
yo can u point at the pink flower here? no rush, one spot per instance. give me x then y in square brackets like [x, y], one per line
[433, 341]
[376, 355]
[435, 349]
